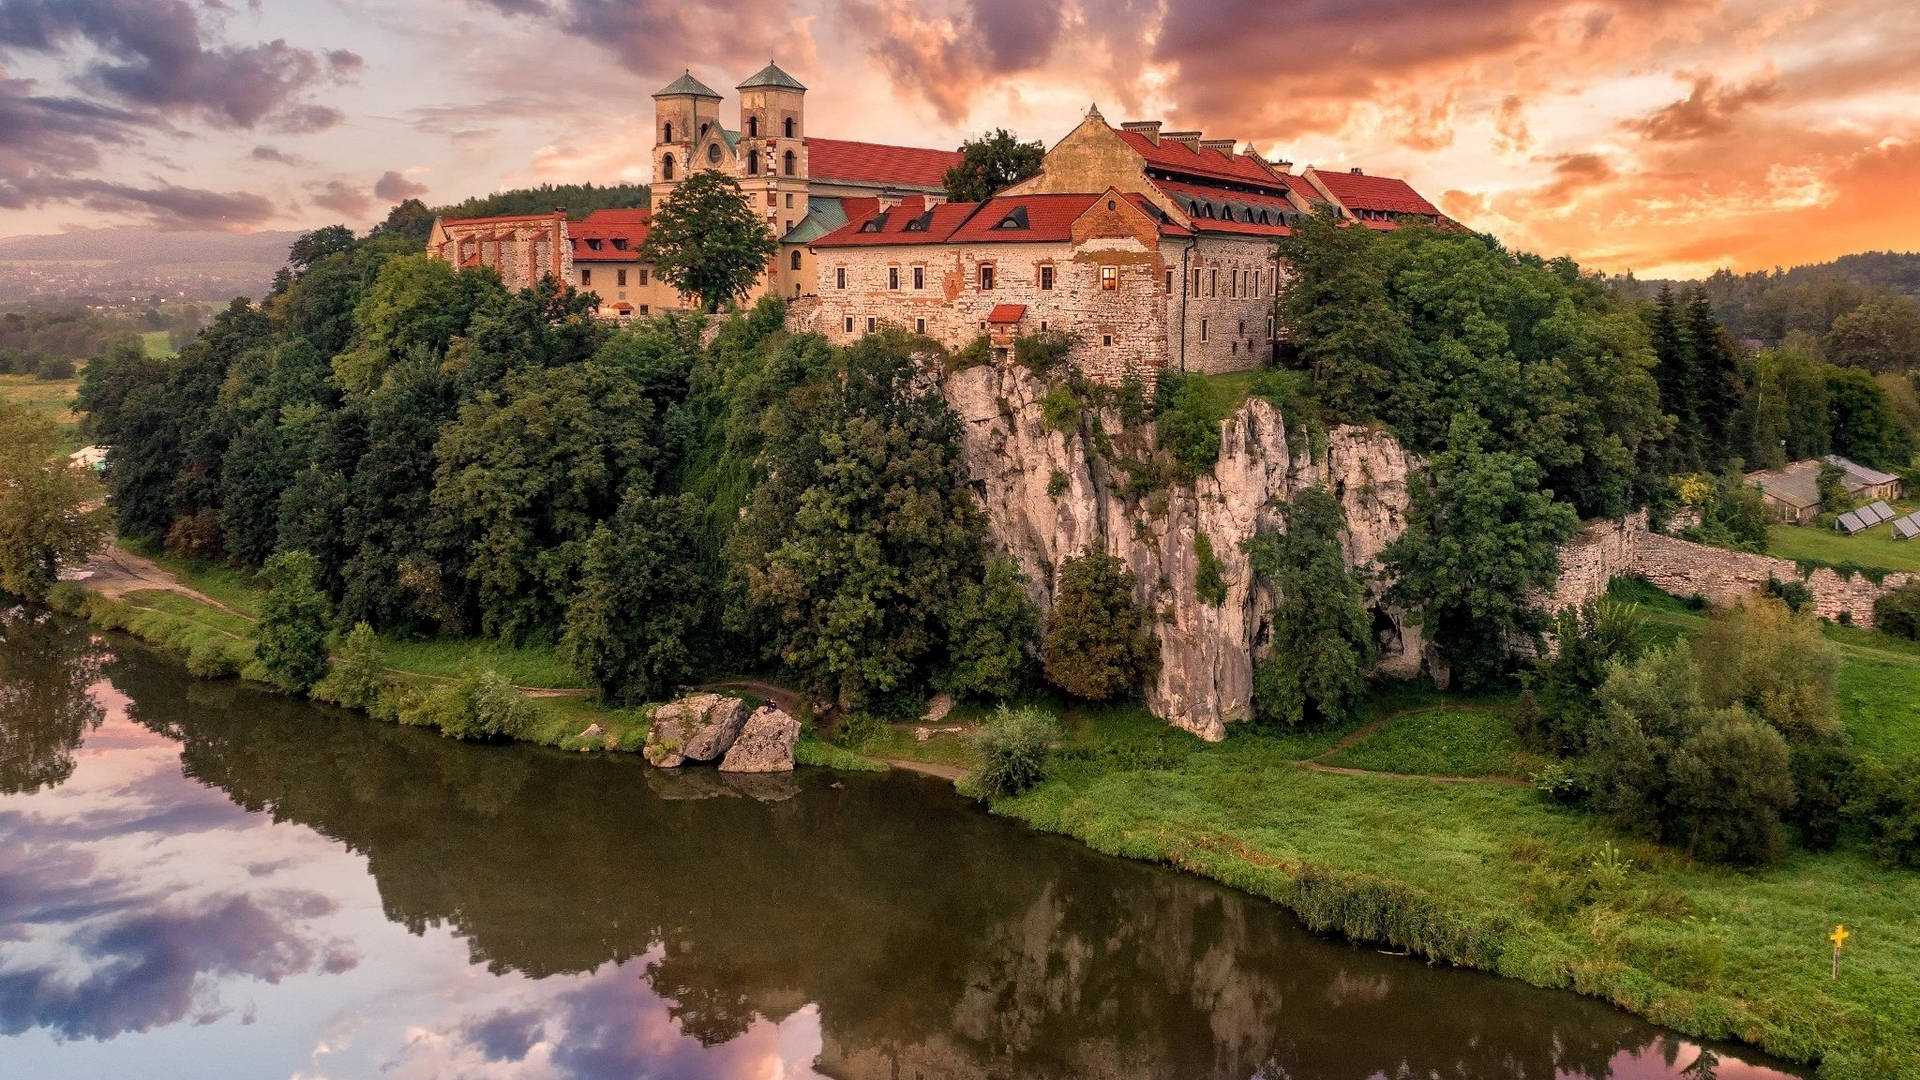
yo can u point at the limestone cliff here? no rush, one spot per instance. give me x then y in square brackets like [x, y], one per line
[1207, 652]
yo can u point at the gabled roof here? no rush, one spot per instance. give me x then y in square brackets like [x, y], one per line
[1389, 195]
[1221, 210]
[610, 235]
[1006, 314]
[1176, 157]
[1858, 475]
[687, 86]
[1003, 219]
[772, 76]
[843, 161]
[910, 222]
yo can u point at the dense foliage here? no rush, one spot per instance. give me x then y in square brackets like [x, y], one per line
[45, 523]
[292, 646]
[991, 627]
[1564, 694]
[993, 161]
[1013, 747]
[1096, 644]
[1322, 644]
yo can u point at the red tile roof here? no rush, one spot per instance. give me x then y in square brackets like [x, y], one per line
[892, 225]
[1302, 187]
[609, 229]
[1383, 193]
[1275, 206]
[1003, 314]
[1049, 218]
[831, 160]
[1170, 156]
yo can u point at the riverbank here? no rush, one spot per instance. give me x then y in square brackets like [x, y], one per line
[1477, 870]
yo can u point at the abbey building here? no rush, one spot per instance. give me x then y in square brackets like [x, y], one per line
[1150, 248]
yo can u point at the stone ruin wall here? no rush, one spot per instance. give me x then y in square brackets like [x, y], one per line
[1608, 549]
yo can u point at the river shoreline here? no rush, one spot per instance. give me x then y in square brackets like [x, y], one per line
[1370, 905]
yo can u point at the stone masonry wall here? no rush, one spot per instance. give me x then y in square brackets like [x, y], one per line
[1605, 550]
[1229, 326]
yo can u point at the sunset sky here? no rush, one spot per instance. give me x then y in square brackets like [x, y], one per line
[1662, 137]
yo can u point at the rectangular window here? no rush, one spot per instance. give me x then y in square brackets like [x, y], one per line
[1213, 283]
[1203, 329]
[919, 326]
[986, 276]
[1269, 328]
[643, 277]
[1169, 281]
[871, 324]
[840, 280]
[586, 275]
[1106, 339]
[1046, 277]
[1196, 281]
[786, 227]
[1233, 283]
[919, 277]
[1109, 278]
[644, 309]
[893, 278]
[789, 200]
[620, 278]
[1243, 328]
[849, 324]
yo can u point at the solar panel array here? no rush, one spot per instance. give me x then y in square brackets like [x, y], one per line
[1907, 527]
[1877, 513]
[1868, 516]
[1851, 522]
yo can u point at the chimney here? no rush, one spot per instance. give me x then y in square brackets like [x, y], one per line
[1356, 171]
[1189, 139]
[1149, 128]
[1280, 163]
[1225, 146]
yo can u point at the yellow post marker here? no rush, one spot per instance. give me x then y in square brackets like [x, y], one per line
[1838, 937]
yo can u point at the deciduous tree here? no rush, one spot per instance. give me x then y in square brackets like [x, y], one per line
[634, 627]
[993, 161]
[292, 647]
[45, 522]
[706, 241]
[1322, 637]
[1096, 644]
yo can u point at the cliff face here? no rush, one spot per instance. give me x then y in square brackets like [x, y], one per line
[1207, 652]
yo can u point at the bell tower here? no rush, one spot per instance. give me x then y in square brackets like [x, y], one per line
[685, 112]
[773, 147]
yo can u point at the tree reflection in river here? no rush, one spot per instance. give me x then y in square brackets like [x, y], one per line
[689, 924]
[46, 665]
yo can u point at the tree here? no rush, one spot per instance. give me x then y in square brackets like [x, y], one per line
[310, 247]
[990, 630]
[1482, 539]
[1713, 377]
[1762, 657]
[1882, 334]
[1589, 639]
[990, 163]
[1673, 373]
[357, 677]
[1863, 423]
[634, 627]
[44, 520]
[1096, 644]
[1338, 307]
[707, 241]
[292, 647]
[1322, 636]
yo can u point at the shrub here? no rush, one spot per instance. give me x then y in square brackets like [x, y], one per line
[1794, 594]
[1567, 783]
[1590, 638]
[1057, 483]
[293, 624]
[54, 369]
[990, 630]
[1044, 352]
[1775, 664]
[1825, 784]
[357, 677]
[1132, 398]
[197, 535]
[1890, 806]
[1898, 612]
[1013, 749]
[1189, 423]
[1096, 644]
[1060, 410]
[1207, 578]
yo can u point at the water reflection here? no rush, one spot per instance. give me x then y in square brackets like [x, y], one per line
[237, 878]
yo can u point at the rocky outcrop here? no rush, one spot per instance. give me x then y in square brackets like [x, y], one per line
[765, 744]
[697, 728]
[1047, 498]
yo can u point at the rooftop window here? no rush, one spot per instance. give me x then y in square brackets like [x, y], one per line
[1016, 219]
[919, 224]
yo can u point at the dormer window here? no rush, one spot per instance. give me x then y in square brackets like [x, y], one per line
[619, 243]
[874, 224]
[919, 224]
[1015, 219]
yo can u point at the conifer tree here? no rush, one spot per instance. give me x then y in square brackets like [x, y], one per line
[1671, 372]
[1713, 372]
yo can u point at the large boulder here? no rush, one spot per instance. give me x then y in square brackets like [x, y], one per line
[697, 728]
[765, 745]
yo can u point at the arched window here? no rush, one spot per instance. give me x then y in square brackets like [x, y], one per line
[788, 163]
[753, 164]
[753, 127]
[713, 153]
[703, 130]
[666, 167]
[796, 258]
[788, 123]
[666, 134]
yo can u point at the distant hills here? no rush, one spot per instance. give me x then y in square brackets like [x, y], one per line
[1770, 306]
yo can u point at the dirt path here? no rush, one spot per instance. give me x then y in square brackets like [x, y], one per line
[116, 572]
[793, 702]
[927, 768]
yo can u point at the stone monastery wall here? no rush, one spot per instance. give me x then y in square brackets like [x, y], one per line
[1609, 549]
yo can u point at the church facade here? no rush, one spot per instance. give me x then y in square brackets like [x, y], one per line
[1151, 249]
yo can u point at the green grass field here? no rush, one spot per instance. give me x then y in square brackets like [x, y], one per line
[1873, 547]
[1451, 741]
[53, 399]
[159, 344]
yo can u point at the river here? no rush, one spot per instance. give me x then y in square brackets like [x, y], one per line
[201, 880]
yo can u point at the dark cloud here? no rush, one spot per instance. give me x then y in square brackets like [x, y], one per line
[346, 201]
[166, 206]
[307, 119]
[656, 40]
[1017, 34]
[58, 134]
[508, 1034]
[1709, 110]
[142, 969]
[274, 155]
[157, 54]
[393, 187]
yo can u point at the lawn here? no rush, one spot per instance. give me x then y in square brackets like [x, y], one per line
[1448, 741]
[52, 398]
[523, 665]
[159, 344]
[1875, 548]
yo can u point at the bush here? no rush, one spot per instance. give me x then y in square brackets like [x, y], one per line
[1898, 612]
[1207, 579]
[198, 535]
[478, 707]
[1013, 749]
[1825, 784]
[1776, 665]
[1567, 783]
[1044, 352]
[990, 629]
[1590, 638]
[1060, 410]
[1057, 483]
[1189, 423]
[54, 369]
[1322, 637]
[1890, 806]
[1096, 644]
[293, 624]
[1794, 594]
[358, 676]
